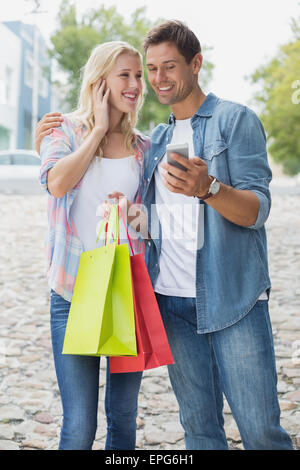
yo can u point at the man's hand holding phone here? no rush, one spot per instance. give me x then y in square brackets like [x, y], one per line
[188, 176]
[180, 149]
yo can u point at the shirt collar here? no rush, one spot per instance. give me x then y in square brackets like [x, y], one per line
[206, 109]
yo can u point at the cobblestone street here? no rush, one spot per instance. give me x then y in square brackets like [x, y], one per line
[30, 409]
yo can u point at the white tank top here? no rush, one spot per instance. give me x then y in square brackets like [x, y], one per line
[103, 176]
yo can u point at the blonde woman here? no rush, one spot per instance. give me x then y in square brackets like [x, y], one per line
[94, 152]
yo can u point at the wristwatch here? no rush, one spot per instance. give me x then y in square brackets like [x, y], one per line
[214, 188]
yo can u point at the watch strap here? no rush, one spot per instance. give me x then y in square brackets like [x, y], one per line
[209, 194]
[205, 197]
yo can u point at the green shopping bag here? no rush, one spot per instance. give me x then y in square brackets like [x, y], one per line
[101, 317]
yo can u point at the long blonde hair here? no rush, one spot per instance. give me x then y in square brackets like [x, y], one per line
[99, 64]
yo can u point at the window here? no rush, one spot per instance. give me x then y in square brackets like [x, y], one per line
[29, 75]
[27, 129]
[21, 159]
[5, 159]
[43, 84]
[4, 138]
[8, 83]
[28, 69]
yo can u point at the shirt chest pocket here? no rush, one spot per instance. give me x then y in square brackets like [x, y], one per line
[215, 156]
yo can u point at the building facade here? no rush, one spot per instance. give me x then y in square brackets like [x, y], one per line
[10, 66]
[22, 39]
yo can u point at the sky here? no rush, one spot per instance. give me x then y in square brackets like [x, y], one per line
[244, 34]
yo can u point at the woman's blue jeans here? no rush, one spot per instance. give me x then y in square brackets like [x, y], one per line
[238, 361]
[78, 381]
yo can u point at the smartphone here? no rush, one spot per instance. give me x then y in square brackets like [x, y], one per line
[182, 149]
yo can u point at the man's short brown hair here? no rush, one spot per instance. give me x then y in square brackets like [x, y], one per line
[177, 32]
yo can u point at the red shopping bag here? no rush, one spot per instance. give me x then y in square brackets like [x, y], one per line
[153, 348]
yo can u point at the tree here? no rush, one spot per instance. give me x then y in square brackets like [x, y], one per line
[279, 99]
[75, 38]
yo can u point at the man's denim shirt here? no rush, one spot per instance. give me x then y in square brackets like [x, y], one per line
[232, 265]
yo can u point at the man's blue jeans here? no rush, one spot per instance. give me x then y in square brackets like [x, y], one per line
[238, 361]
[78, 381]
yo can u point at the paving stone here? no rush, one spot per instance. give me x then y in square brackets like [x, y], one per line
[285, 405]
[98, 446]
[24, 428]
[290, 373]
[8, 445]
[6, 431]
[283, 387]
[151, 388]
[233, 434]
[30, 358]
[157, 437]
[290, 422]
[45, 430]
[293, 396]
[43, 418]
[140, 422]
[34, 444]
[10, 413]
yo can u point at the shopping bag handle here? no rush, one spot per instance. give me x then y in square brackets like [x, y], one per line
[111, 227]
[125, 225]
[118, 211]
[103, 226]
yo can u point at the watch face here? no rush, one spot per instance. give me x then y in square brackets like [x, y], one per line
[215, 186]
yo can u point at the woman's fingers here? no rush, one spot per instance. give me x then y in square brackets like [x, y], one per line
[51, 117]
[54, 113]
[116, 195]
[106, 95]
[98, 91]
[45, 133]
[45, 126]
[95, 88]
[121, 200]
[105, 210]
[101, 89]
[48, 123]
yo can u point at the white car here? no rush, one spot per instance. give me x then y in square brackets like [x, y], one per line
[19, 172]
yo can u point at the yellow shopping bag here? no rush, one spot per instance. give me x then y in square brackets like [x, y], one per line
[101, 318]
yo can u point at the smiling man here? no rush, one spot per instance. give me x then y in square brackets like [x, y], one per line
[213, 298]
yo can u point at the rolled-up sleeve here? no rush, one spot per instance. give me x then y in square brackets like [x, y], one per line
[54, 147]
[248, 160]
